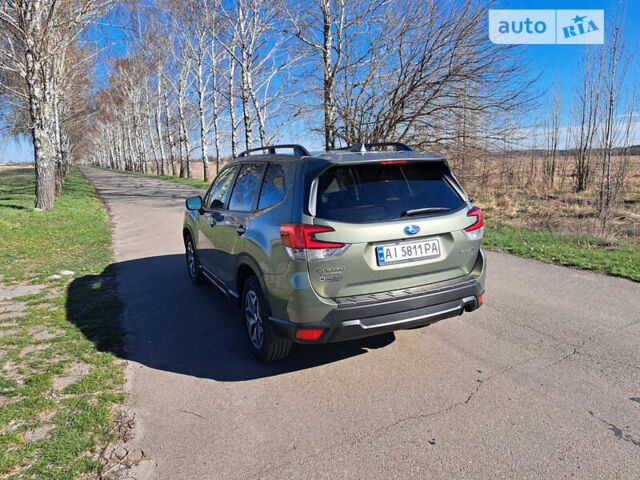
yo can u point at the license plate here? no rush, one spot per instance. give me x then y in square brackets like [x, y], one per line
[407, 251]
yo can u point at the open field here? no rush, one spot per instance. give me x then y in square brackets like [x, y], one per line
[60, 381]
[16, 166]
[513, 191]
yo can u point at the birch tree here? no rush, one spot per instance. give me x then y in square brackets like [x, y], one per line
[324, 28]
[34, 34]
[231, 97]
[253, 39]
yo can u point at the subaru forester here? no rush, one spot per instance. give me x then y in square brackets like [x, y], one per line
[338, 245]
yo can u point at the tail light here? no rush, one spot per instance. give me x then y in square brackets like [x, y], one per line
[300, 242]
[475, 231]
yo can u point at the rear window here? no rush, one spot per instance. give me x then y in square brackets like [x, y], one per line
[381, 192]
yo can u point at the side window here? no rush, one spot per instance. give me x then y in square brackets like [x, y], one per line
[273, 188]
[246, 188]
[207, 196]
[221, 188]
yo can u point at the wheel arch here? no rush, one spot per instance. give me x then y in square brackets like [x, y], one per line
[186, 231]
[246, 268]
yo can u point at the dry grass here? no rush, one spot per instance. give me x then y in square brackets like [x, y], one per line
[513, 191]
[6, 168]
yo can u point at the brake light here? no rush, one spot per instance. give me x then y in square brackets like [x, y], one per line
[479, 223]
[309, 333]
[391, 162]
[475, 231]
[300, 242]
[302, 235]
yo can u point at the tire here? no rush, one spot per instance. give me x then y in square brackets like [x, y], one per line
[264, 343]
[193, 263]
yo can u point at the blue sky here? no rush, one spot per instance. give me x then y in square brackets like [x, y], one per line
[12, 150]
[558, 62]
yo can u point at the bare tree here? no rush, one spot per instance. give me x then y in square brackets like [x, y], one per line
[552, 136]
[614, 132]
[422, 67]
[34, 35]
[215, 105]
[231, 98]
[325, 28]
[586, 112]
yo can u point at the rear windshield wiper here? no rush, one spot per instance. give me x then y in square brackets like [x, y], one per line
[420, 211]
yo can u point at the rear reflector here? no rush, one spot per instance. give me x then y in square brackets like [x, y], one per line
[480, 299]
[309, 333]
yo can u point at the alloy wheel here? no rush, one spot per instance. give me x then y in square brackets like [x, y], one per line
[191, 260]
[253, 319]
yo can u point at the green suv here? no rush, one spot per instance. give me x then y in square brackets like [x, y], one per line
[336, 246]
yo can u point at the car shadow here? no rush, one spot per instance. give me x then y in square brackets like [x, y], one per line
[169, 324]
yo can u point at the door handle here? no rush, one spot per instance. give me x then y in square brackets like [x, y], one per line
[241, 230]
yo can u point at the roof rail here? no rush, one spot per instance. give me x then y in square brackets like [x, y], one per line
[358, 147]
[271, 150]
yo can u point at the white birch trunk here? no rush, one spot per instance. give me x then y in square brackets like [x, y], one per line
[214, 101]
[172, 159]
[232, 107]
[159, 123]
[201, 114]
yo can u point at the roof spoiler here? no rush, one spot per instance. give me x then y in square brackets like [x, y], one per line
[298, 150]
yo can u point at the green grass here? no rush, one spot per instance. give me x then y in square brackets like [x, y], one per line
[581, 251]
[194, 182]
[33, 245]
[70, 325]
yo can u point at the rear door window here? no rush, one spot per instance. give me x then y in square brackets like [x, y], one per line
[273, 187]
[245, 191]
[381, 192]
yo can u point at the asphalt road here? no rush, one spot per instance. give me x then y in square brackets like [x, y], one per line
[542, 382]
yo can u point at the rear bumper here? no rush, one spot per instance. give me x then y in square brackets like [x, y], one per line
[366, 315]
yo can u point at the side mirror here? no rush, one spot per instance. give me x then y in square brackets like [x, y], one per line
[194, 203]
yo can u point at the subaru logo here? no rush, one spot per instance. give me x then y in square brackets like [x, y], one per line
[411, 229]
